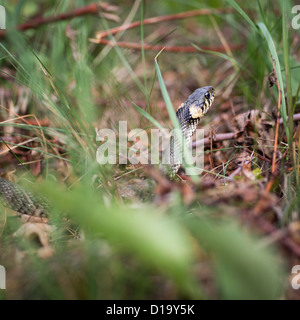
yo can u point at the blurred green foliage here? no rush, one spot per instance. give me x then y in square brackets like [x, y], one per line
[118, 251]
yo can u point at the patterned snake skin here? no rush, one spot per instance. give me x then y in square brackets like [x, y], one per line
[22, 201]
[188, 114]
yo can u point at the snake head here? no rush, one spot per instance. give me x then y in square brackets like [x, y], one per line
[200, 101]
[188, 116]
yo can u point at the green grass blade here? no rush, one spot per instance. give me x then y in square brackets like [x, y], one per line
[148, 116]
[287, 73]
[261, 11]
[242, 267]
[125, 62]
[173, 117]
[156, 240]
[242, 13]
[274, 55]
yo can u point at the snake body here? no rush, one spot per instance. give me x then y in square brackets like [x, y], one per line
[188, 114]
[17, 198]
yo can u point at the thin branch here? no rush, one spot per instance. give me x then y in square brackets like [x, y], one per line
[216, 138]
[185, 49]
[92, 8]
[153, 20]
[240, 168]
[230, 135]
[31, 24]
[183, 15]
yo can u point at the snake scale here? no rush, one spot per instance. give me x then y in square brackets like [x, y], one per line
[188, 114]
[18, 199]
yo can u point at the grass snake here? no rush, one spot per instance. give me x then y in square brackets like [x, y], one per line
[188, 114]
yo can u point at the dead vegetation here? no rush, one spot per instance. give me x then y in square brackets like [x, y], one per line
[251, 166]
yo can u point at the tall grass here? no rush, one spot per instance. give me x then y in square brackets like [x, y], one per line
[278, 42]
[103, 247]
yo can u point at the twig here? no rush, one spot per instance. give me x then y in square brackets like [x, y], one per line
[257, 155]
[184, 49]
[296, 117]
[92, 8]
[230, 135]
[217, 137]
[240, 168]
[153, 20]
[137, 46]
[17, 146]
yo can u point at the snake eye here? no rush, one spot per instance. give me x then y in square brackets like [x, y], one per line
[207, 95]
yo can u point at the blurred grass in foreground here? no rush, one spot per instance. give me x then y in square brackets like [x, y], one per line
[112, 250]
